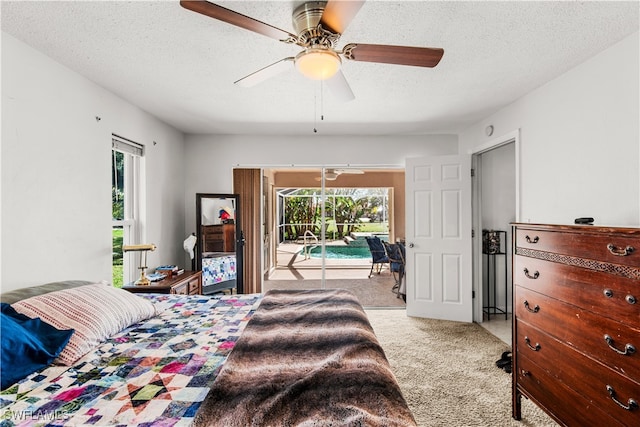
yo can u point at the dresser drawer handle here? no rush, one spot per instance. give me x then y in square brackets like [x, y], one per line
[631, 403]
[629, 298]
[533, 276]
[628, 349]
[528, 343]
[530, 240]
[535, 309]
[620, 251]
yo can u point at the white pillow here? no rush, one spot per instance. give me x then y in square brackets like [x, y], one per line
[95, 312]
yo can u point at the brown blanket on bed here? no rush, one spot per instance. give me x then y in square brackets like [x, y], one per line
[306, 358]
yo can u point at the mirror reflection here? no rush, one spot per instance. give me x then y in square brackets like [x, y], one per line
[218, 225]
[219, 253]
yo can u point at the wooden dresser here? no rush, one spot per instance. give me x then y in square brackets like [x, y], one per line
[187, 283]
[576, 328]
[218, 238]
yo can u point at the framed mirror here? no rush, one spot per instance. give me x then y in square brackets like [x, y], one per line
[220, 243]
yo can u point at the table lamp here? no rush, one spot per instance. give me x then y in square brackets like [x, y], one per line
[143, 280]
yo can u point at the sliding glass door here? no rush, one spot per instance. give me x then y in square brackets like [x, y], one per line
[320, 220]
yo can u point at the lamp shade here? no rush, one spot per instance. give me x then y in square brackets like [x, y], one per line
[318, 63]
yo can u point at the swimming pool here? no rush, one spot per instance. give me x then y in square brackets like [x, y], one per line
[356, 249]
[340, 252]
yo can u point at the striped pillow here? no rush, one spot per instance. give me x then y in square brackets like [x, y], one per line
[95, 311]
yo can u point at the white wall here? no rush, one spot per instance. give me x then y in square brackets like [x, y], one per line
[498, 187]
[580, 141]
[56, 161]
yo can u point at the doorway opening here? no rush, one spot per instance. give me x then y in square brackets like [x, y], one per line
[495, 206]
[314, 229]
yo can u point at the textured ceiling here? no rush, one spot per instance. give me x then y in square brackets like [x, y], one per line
[180, 66]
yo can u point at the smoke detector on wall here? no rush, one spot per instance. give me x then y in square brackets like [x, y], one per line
[489, 130]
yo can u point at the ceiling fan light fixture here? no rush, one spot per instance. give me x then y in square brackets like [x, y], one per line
[330, 176]
[318, 63]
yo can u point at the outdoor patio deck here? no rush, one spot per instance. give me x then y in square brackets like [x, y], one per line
[293, 271]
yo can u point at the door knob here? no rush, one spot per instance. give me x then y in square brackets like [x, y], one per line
[411, 245]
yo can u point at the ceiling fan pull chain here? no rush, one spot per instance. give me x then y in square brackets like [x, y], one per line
[315, 112]
[321, 100]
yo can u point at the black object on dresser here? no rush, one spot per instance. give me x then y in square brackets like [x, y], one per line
[576, 323]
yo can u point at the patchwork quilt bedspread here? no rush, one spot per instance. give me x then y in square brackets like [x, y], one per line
[154, 373]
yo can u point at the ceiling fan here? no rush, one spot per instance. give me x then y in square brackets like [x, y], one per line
[319, 25]
[332, 174]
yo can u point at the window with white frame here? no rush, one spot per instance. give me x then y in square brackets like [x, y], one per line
[126, 157]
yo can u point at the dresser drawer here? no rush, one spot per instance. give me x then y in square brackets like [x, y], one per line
[218, 238]
[595, 291]
[564, 404]
[584, 330]
[613, 248]
[606, 389]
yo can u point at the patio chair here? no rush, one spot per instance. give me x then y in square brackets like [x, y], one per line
[396, 254]
[378, 255]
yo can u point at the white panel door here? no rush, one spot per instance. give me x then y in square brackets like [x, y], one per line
[438, 228]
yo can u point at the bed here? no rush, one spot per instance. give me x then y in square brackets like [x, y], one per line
[282, 358]
[218, 272]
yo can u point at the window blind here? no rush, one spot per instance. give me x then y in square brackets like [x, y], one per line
[127, 146]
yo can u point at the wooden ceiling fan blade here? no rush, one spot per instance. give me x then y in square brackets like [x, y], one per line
[338, 14]
[350, 171]
[339, 87]
[401, 55]
[266, 73]
[223, 14]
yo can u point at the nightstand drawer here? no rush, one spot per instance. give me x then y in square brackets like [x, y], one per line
[195, 286]
[187, 283]
[180, 289]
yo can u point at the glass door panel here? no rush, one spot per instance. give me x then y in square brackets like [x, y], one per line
[321, 216]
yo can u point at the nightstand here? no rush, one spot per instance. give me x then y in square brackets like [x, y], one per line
[187, 283]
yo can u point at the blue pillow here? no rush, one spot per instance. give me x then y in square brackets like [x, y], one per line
[28, 345]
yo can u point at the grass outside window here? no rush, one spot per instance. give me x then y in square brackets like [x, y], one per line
[117, 267]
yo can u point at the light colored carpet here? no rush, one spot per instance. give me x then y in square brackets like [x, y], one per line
[373, 292]
[447, 372]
